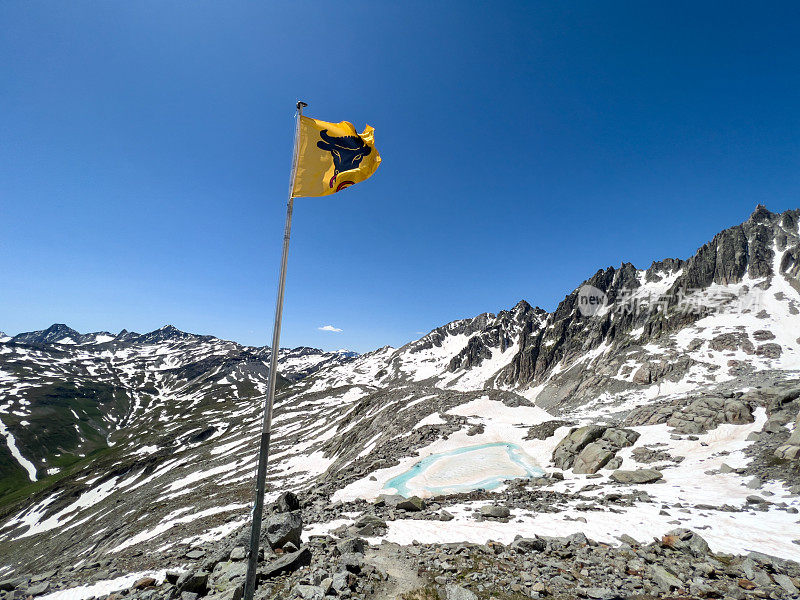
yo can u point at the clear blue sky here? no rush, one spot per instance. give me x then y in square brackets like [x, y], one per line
[145, 148]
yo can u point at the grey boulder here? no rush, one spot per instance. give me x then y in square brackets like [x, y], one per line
[195, 582]
[288, 563]
[309, 592]
[413, 504]
[686, 540]
[498, 512]
[283, 527]
[37, 589]
[665, 579]
[576, 440]
[588, 449]
[353, 545]
[637, 477]
[456, 592]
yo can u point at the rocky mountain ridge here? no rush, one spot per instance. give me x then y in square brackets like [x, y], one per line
[566, 358]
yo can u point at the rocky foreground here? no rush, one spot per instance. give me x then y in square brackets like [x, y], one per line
[314, 546]
[677, 565]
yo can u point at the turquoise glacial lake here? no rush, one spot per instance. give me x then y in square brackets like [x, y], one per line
[468, 468]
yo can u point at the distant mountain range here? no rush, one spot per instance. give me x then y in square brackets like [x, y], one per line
[66, 395]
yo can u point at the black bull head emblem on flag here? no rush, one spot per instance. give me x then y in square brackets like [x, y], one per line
[347, 152]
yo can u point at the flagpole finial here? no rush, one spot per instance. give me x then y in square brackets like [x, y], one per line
[301, 105]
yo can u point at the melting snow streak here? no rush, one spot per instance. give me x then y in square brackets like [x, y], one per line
[12, 445]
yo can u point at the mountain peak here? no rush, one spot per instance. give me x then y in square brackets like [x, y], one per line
[55, 333]
[761, 213]
[166, 332]
[522, 306]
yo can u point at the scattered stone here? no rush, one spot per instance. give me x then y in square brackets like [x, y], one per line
[9, 585]
[225, 574]
[664, 578]
[626, 539]
[746, 584]
[640, 476]
[389, 500]
[769, 350]
[791, 449]
[369, 519]
[352, 545]
[600, 593]
[37, 589]
[288, 563]
[352, 561]
[412, 504]
[544, 430]
[343, 580]
[649, 455]
[476, 429]
[755, 483]
[230, 594]
[144, 582]
[193, 581]
[309, 592]
[456, 592]
[498, 512]
[786, 583]
[172, 577]
[685, 540]
[282, 528]
[286, 502]
[522, 544]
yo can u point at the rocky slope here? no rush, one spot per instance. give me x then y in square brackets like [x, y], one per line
[649, 400]
[727, 311]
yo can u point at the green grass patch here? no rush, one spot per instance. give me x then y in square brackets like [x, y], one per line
[11, 496]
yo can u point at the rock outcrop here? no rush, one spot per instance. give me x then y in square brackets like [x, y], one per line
[791, 449]
[588, 449]
[698, 416]
[284, 524]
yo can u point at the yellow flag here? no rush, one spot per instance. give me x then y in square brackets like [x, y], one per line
[332, 156]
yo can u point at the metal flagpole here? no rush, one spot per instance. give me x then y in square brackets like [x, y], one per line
[263, 456]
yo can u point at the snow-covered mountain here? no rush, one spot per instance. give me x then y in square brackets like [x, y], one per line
[688, 370]
[65, 396]
[729, 310]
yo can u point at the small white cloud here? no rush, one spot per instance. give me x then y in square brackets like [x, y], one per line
[329, 328]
